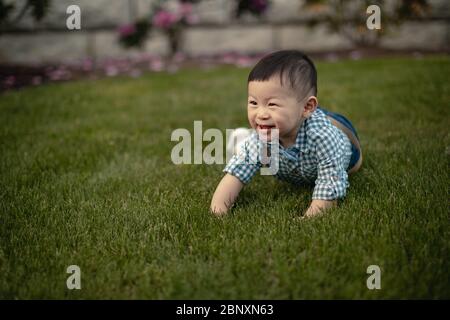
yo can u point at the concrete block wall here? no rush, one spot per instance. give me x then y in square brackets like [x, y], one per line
[100, 19]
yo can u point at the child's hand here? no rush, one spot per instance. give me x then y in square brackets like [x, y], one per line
[226, 193]
[219, 211]
[319, 206]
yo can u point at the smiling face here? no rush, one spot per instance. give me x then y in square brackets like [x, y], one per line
[272, 105]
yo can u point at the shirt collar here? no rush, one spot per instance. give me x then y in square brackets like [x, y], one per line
[302, 143]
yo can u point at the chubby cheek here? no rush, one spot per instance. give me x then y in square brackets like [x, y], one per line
[280, 121]
[285, 123]
[251, 118]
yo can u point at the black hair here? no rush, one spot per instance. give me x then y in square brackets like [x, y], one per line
[292, 65]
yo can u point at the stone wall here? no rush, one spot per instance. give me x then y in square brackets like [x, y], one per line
[217, 32]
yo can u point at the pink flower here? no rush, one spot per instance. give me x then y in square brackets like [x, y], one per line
[185, 12]
[192, 19]
[10, 81]
[228, 58]
[111, 71]
[156, 65]
[259, 5]
[87, 65]
[135, 73]
[37, 80]
[127, 29]
[185, 9]
[164, 19]
[61, 73]
[244, 62]
[179, 57]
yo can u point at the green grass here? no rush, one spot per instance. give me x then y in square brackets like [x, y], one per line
[86, 179]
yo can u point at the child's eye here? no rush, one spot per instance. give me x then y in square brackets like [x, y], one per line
[253, 103]
[273, 104]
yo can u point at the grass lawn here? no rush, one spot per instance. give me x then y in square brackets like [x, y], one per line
[87, 179]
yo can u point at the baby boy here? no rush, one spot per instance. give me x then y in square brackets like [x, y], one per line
[313, 145]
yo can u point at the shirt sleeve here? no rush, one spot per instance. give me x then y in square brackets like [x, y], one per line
[332, 178]
[245, 165]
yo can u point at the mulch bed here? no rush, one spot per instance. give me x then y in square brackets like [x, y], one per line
[14, 76]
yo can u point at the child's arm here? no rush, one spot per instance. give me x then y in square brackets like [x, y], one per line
[226, 193]
[332, 179]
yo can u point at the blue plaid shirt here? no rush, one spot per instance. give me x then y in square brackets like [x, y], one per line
[321, 154]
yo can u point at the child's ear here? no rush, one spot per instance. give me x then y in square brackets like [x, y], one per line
[310, 106]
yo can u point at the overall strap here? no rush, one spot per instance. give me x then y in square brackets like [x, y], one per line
[353, 139]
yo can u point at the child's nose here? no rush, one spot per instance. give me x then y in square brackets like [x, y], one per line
[262, 113]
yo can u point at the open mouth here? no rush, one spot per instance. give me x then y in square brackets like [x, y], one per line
[266, 127]
[265, 131]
